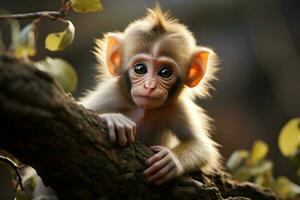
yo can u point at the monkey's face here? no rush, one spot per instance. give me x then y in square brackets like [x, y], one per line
[151, 79]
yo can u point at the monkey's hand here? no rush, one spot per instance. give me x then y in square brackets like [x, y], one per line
[164, 165]
[121, 128]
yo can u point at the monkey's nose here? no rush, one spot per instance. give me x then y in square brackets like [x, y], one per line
[150, 85]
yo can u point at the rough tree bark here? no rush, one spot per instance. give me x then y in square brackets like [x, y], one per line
[68, 146]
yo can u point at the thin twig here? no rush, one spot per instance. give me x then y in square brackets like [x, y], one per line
[50, 14]
[15, 166]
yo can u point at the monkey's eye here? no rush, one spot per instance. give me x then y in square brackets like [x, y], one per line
[165, 72]
[140, 68]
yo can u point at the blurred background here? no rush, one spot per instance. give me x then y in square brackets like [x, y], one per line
[258, 43]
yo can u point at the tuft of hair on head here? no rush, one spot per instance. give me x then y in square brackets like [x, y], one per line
[158, 18]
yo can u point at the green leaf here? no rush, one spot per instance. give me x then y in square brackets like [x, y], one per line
[61, 70]
[241, 174]
[15, 28]
[236, 158]
[2, 45]
[289, 137]
[264, 180]
[258, 152]
[22, 195]
[85, 6]
[295, 158]
[285, 188]
[60, 40]
[263, 167]
[15, 31]
[24, 45]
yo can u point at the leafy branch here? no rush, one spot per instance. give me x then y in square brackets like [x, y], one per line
[253, 165]
[81, 6]
[23, 45]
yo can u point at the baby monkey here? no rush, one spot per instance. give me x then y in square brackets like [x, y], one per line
[150, 75]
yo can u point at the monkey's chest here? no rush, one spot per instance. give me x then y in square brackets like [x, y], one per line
[151, 133]
[150, 128]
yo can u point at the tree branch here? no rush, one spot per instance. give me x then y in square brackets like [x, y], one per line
[69, 147]
[50, 14]
[65, 7]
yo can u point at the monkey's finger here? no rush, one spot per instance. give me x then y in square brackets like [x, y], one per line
[156, 148]
[156, 166]
[158, 156]
[121, 135]
[131, 126]
[129, 132]
[130, 136]
[120, 127]
[167, 177]
[132, 123]
[128, 129]
[134, 131]
[161, 173]
[111, 130]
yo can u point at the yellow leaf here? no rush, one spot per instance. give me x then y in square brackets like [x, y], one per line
[259, 151]
[289, 137]
[236, 159]
[24, 45]
[61, 40]
[241, 174]
[265, 180]
[285, 188]
[85, 6]
[22, 51]
[61, 70]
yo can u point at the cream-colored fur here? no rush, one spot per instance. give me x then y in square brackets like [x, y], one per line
[180, 125]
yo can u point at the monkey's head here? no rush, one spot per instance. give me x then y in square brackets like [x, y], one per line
[159, 57]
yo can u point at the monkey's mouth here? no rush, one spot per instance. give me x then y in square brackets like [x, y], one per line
[147, 102]
[147, 97]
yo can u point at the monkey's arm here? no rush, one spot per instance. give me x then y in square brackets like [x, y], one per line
[197, 152]
[191, 153]
[105, 98]
[196, 148]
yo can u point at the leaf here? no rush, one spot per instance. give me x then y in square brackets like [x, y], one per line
[85, 6]
[236, 159]
[15, 31]
[258, 152]
[241, 174]
[285, 188]
[61, 70]
[2, 45]
[14, 26]
[263, 167]
[289, 137]
[24, 45]
[22, 195]
[265, 180]
[60, 40]
[295, 158]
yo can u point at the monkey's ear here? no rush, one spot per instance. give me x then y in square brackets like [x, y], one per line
[113, 54]
[197, 68]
